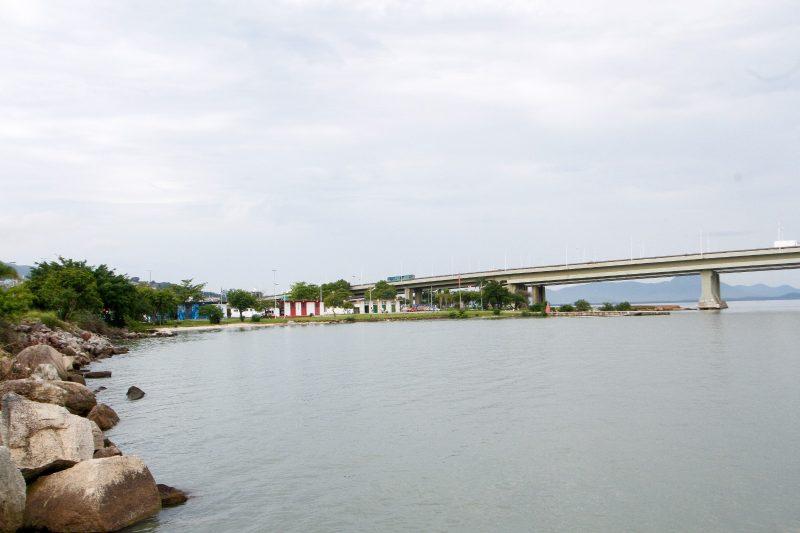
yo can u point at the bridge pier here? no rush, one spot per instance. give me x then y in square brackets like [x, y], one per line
[710, 297]
[517, 288]
[538, 294]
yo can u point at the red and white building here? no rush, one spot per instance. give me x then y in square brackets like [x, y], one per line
[303, 308]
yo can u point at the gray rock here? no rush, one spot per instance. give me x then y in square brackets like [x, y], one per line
[135, 393]
[98, 374]
[43, 437]
[12, 493]
[97, 495]
[103, 416]
[46, 371]
[26, 361]
[78, 399]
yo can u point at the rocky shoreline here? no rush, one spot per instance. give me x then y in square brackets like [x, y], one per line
[58, 471]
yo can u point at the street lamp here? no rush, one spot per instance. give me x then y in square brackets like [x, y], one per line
[275, 291]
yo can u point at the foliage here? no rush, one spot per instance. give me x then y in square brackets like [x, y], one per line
[537, 307]
[624, 306]
[14, 301]
[337, 294]
[188, 292]
[255, 318]
[241, 300]
[90, 322]
[583, 306]
[303, 291]
[383, 290]
[495, 294]
[212, 312]
[566, 308]
[8, 272]
[607, 306]
[525, 313]
[496, 311]
[69, 289]
[117, 293]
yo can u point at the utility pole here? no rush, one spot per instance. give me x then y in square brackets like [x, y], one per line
[275, 290]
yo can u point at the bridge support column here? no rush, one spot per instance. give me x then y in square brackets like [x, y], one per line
[518, 288]
[710, 297]
[538, 294]
[408, 295]
[416, 296]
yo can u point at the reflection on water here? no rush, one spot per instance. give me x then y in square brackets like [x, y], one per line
[685, 422]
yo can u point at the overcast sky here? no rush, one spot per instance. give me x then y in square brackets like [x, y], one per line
[220, 141]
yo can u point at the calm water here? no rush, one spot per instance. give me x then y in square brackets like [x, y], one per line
[689, 422]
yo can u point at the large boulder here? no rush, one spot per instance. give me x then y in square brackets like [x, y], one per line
[98, 437]
[97, 495]
[170, 496]
[6, 364]
[12, 493]
[78, 399]
[43, 437]
[31, 357]
[103, 416]
[47, 372]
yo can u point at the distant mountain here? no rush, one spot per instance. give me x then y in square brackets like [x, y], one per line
[23, 270]
[677, 289]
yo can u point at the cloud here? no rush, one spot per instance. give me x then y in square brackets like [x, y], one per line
[217, 140]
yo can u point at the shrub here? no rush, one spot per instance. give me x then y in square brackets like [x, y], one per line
[90, 322]
[212, 312]
[255, 318]
[14, 301]
[537, 308]
[583, 306]
[496, 311]
[607, 306]
[566, 308]
[624, 306]
[525, 313]
[350, 318]
[452, 314]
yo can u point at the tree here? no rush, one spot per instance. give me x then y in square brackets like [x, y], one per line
[624, 306]
[583, 306]
[212, 312]
[566, 308]
[241, 300]
[70, 289]
[188, 292]
[157, 303]
[607, 306]
[383, 290]
[303, 291]
[8, 272]
[495, 294]
[117, 293]
[14, 301]
[336, 294]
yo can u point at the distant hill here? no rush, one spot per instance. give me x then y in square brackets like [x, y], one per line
[23, 270]
[677, 289]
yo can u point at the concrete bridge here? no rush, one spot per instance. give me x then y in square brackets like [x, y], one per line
[520, 280]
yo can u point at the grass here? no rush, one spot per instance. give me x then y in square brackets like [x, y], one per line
[358, 317]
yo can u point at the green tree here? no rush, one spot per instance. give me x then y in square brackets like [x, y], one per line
[8, 272]
[607, 306]
[583, 306]
[117, 293]
[303, 291]
[383, 290]
[624, 306]
[212, 312]
[158, 304]
[241, 300]
[14, 301]
[566, 308]
[188, 292]
[337, 298]
[70, 289]
[495, 294]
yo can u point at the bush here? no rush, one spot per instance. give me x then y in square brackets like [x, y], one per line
[350, 318]
[525, 313]
[212, 312]
[624, 306]
[566, 308]
[537, 308]
[255, 318]
[607, 306]
[90, 322]
[14, 301]
[583, 306]
[496, 311]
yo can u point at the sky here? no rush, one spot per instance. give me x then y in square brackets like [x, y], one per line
[223, 140]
